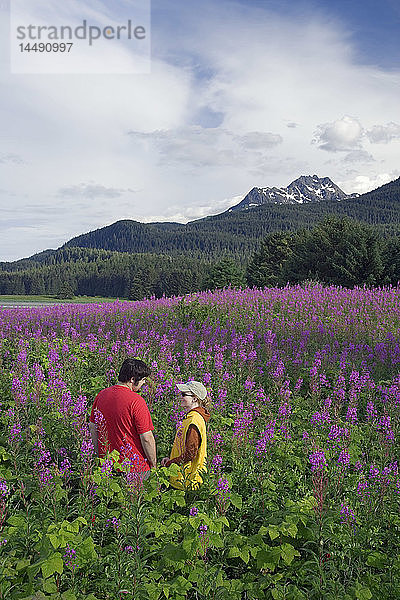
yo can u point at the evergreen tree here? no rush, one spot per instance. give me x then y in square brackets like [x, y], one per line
[224, 273]
[337, 251]
[266, 268]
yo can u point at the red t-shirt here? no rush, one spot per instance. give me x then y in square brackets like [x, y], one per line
[121, 416]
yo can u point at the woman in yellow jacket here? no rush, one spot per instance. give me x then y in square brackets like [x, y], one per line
[189, 450]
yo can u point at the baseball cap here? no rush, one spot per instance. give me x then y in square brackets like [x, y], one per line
[195, 387]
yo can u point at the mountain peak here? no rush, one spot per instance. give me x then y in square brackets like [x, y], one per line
[303, 190]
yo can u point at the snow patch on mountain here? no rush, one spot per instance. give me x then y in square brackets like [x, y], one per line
[305, 189]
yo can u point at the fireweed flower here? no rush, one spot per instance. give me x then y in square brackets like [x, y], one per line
[70, 558]
[202, 530]
[249, 385]
[347, 515]
[216, 463]
[204, 540]
[279, 370]
[318, 419]
[65, 468]
[242, 425]
[298, 384]
[133, 480]
[106, 467]
[373, 473]
[351, 414]
[15, 434]
[261, 397]
[223, 488]
[317, 460]
[363, 490]
[384, 427]
[220, 399]
[80, 406]
[4, 491]
[217, 440]
[87, 451]
[265, 439]
[206, 378]
[372, 413]
[344, 459]
[114, 523]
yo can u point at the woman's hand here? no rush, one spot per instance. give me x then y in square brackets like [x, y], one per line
[164, 461]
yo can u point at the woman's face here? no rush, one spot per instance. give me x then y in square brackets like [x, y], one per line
[188, 400]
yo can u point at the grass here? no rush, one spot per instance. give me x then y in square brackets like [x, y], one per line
[15, 299]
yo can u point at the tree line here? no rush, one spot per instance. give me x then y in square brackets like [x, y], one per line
[338, 251]
[238, 233]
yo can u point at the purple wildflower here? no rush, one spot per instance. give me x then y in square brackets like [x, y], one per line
[70, 558]
[347, 515]
[317, 460]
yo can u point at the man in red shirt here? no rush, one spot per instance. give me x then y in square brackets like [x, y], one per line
[120, 419]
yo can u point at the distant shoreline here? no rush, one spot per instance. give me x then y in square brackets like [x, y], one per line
[24, 301]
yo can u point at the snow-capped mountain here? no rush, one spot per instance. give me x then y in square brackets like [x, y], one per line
[303, 190]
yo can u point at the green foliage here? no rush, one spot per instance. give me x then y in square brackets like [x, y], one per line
[267, 267]
[224, 273]
[337, 251]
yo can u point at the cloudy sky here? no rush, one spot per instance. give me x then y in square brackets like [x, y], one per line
[239, 94]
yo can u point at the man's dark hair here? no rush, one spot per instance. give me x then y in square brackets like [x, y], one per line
[133, 367]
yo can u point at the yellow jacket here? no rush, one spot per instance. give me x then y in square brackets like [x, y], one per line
[189, 476]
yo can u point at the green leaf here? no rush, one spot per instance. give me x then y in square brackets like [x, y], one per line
[174, 553]
[288, 552]
[377, 559]
[362, 592]
[273, 531]
[22, 564]
[236, 500]
[86, 549]
[51, 565]
[245, 555]
[153, 590]
[234, 552]
[54, 539]
[289, 529]
[215, 540]
[69, 595]
[49, 586]
[115, 487]
[268, 559]
[17, 521]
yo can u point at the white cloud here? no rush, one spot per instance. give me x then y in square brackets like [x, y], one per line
[232, 102]
[358, 156]
[208, 147]
[342, 135]
[12, 159]
[383, 134]
[362, 184]
[184, 214]
[91, 190]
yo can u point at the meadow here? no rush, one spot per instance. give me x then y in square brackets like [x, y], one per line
[301, 499]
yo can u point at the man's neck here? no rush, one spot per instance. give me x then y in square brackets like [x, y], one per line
[127, 385]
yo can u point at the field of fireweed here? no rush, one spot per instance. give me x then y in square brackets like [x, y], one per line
[302, 496]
